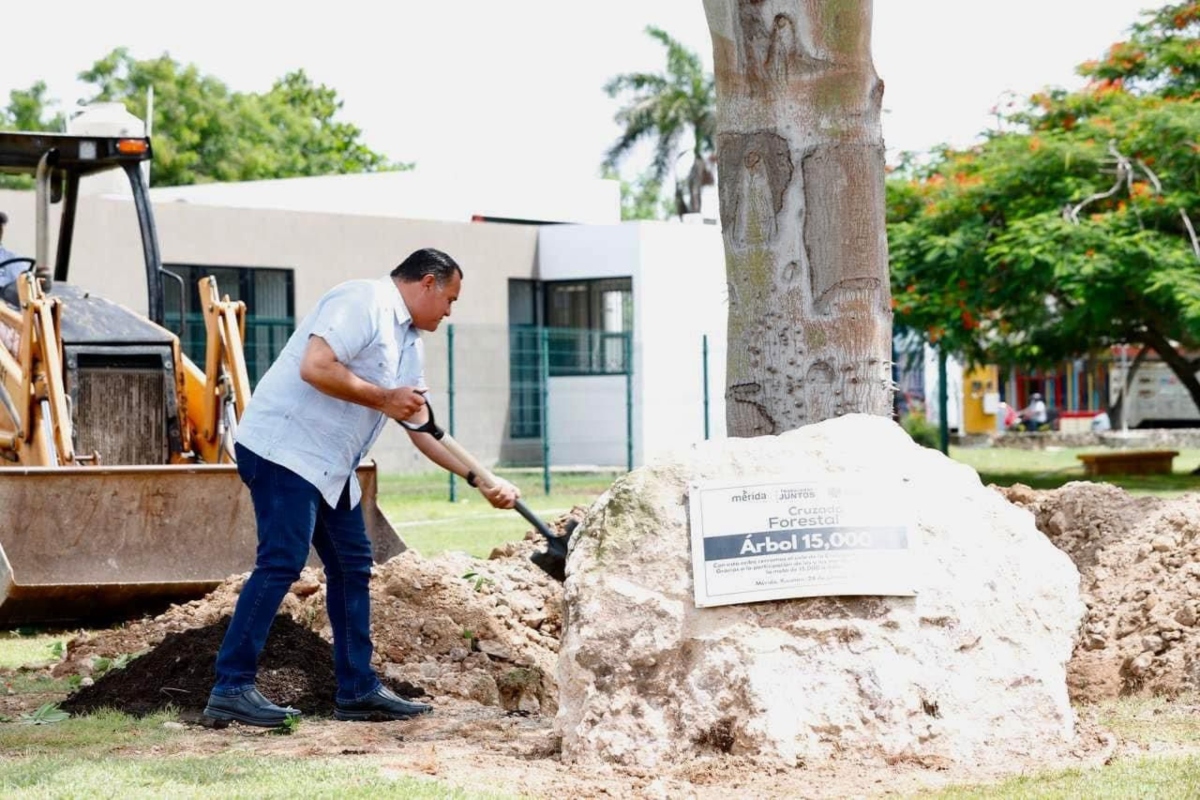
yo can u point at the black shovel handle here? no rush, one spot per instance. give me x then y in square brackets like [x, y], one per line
[428, 426]
[556, 544]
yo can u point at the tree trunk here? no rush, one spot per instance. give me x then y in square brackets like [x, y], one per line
[1177, 361]
[1116, 412]
[801, 159]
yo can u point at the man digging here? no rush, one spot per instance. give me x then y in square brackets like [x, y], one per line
[354, 362]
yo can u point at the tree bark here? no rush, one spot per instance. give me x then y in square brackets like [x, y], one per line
[801, 158]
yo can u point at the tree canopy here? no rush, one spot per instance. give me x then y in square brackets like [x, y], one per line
[203, 132]
[1073, 230]
[666, 108]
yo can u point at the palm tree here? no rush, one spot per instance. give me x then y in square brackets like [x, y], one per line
[666, 106]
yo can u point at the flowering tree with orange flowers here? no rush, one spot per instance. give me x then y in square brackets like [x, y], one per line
[1073, 230]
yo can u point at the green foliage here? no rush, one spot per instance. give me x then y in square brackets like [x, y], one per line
[1159, 57]
[131, 770]
[34, 647]
[1071, 231]
[922, 431]
[102, 665]
[204, 132]
[289, 726]
[1124, 777]
[642, 198]
[46, 714]
[85, 737]
[29, 110]
[667, 107]
[479, 580]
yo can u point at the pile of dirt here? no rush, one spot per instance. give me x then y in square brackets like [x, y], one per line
[296, 669]
[1139, 564]
[452, 626]
[487, 631]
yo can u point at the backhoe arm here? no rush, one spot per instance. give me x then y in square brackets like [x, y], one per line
[217, 397]
[35, 420]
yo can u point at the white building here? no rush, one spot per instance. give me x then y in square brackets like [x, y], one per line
[535, 251]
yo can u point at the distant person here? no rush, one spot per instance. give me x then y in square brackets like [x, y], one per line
[1008, 416]
[1034, 415]
[11, 265]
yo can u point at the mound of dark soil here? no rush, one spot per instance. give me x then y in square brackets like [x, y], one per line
[296, 669]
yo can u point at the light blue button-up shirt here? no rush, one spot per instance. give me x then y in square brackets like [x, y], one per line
[321, 438]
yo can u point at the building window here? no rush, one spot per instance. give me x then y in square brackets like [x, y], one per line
[524, 363]
[581, 327]
[269, 295]
[589, 322]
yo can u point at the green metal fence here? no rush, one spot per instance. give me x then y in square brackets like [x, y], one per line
[566, 394]
[556, 399]
[264, 341]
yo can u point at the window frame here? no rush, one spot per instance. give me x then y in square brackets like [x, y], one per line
[190, 317]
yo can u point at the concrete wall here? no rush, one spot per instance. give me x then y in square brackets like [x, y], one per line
[587, 421]
[678, 277]
[683, 287]
[587, 413]
[322, 250]
[18, 233]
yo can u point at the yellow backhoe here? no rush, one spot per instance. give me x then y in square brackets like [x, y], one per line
[118, 488]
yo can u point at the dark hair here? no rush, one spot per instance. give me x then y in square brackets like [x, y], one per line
[427, 261]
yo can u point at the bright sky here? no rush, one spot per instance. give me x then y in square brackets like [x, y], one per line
[478, 83]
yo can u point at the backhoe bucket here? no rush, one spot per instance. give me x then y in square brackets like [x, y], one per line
[79, 543]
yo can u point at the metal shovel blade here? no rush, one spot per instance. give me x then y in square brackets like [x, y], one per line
[553, 560]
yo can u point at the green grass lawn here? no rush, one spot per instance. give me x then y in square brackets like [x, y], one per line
[1054, 466]
[113, 755]
[420, 509]
[19, 648]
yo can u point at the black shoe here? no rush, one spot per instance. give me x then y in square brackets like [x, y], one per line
[250, 708]
[380, 705]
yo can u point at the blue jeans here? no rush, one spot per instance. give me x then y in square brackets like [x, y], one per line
[291, 515]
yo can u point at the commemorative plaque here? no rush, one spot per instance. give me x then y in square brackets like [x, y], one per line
[799, 538]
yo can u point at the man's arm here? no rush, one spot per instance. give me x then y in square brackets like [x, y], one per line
[321, 369]
[502, 495]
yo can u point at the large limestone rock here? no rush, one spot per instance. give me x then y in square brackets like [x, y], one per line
[970, 670]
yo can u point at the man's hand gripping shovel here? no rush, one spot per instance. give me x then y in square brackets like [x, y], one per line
[552, 561]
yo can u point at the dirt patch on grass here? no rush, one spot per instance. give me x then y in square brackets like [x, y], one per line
[296, 669]
[1139, 564]
[452, 626]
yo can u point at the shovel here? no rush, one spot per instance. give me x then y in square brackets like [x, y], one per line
[553, 560]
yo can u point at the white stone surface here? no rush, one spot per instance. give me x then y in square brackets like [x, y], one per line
[971, 670]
